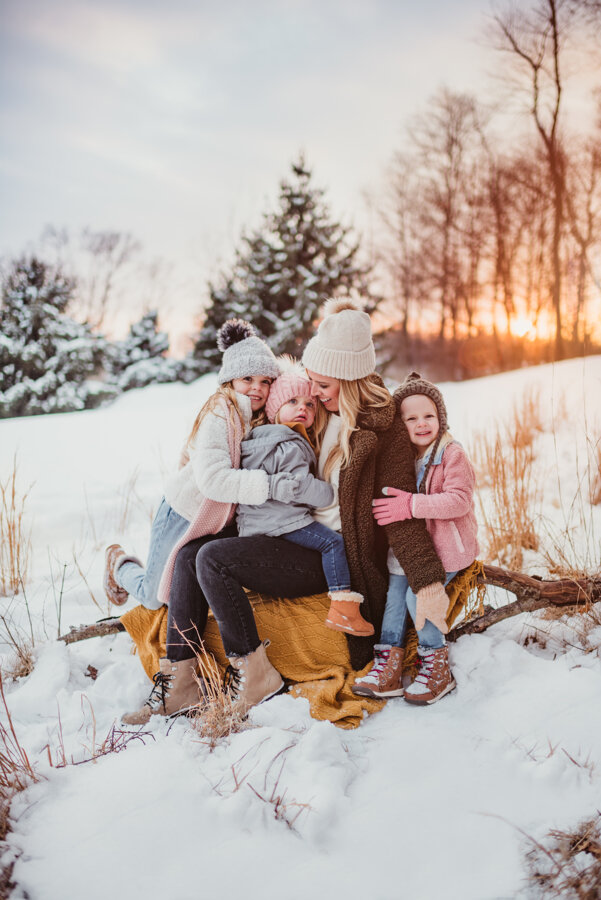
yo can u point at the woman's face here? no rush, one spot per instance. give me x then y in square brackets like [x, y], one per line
[298, 409]
[326, 390]
[256, 387]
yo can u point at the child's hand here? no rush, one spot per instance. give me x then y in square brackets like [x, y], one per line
[395, 507]
[283, 487]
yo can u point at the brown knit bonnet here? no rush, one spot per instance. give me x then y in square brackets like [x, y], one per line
[415, 384]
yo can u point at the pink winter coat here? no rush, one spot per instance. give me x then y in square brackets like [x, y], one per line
[448, 508]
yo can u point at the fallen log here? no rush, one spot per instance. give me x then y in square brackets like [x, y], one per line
[111, 625]
[532, 594]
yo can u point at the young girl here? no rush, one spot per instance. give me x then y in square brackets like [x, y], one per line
[285, 446]
[445, 483]
[198, 498]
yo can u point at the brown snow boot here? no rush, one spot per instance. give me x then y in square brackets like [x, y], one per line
[384, 678]
[115, 556]
[176, 692]
[345, 614]
[251, 679]
[434, 678]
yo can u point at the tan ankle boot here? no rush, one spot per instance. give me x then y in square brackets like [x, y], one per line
[176, 692]
[384, 678]
[345, 614]
[252, 678]
[434, 678]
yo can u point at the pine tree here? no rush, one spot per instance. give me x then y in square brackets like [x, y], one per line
[46, 357]
[139, 359]
[284, 271]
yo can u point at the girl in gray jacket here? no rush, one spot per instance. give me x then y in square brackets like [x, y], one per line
[285, 447]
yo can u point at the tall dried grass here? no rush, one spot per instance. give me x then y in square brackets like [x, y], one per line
[15, 539]
[218, 716]
[504, 463]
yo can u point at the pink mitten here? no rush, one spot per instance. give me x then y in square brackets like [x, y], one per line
[395, 507]
[432, 604]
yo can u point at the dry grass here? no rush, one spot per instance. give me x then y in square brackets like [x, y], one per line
[569, 864]
[504, 462]
[595, 473]
[15, 540]
[16, 774]
[218, 717]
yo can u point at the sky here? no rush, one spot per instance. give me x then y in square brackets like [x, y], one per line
[176, 121]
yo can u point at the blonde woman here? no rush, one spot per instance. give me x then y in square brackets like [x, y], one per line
[364, 447]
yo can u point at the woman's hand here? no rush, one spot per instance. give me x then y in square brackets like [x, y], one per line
[395, 507]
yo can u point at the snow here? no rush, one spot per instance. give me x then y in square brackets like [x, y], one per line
[415, 802]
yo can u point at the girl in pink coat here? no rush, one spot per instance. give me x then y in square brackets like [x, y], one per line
[444, 498]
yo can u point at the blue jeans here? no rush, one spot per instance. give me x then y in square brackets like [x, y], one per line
[401, 602]
[143, 583]
[330, 544]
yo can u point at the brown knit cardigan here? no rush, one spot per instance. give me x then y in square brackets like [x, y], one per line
[381, 455]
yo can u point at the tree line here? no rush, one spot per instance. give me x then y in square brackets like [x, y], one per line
[488, 236]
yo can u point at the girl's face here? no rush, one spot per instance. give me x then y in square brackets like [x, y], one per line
[256, 387]
[298, 409]
[421, 418]
[325, 389]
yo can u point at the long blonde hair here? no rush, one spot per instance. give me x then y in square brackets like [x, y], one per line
[224, 392]
[355, 397]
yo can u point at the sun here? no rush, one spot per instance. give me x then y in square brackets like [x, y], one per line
[521, 326]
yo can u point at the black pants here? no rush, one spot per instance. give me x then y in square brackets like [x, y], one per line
[213, 571]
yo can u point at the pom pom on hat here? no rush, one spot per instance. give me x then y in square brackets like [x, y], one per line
[343, 346]
[232, 332]
[244, 353]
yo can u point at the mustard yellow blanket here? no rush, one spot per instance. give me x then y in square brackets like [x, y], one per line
[314, 658]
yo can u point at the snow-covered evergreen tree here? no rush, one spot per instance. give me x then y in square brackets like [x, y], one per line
[139, 359]
[46, 357]
[284, 272]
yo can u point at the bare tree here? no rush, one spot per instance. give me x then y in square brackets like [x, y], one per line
[583, 201]
[109, 252]
[537, 38]
[444, 138]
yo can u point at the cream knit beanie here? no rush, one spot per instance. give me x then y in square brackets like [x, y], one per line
[342, 347]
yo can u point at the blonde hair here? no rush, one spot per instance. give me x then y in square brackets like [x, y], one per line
[224, 392]
[355, 398]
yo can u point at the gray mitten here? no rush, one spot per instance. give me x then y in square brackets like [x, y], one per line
[283, 487]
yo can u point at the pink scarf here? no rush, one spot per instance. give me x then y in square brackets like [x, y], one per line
[212, 515]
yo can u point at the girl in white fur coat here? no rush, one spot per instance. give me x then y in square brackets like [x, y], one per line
[200, 498]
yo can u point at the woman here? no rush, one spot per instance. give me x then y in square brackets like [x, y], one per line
[365, 446]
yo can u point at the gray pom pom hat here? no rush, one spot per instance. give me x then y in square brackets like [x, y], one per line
[244, 353]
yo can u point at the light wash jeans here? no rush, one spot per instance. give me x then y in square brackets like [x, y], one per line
[330, 544]
[401, 602]
[143, 583]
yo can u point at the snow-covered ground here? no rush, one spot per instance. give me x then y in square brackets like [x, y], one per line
[414, 803]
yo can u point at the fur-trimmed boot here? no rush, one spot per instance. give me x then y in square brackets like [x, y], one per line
[384, 678]
[434, 678]
[345, 614]
[115, 556]
[251, 679]
[176, 692]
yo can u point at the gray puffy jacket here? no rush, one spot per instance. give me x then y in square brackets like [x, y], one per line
[279, 449]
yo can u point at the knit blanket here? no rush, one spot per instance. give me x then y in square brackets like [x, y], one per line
[313, 658]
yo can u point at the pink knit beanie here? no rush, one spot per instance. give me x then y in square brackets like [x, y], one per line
[291, 383]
